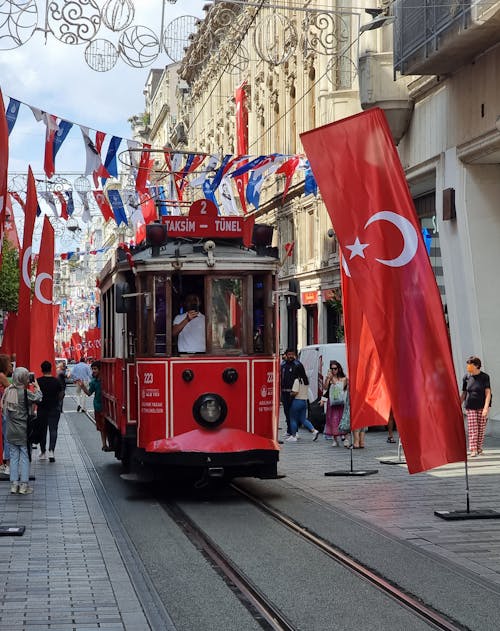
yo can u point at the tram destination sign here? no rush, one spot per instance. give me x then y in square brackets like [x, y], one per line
[203, 221]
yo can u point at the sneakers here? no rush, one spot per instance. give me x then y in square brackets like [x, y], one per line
[315, 434]
[51, 456]
[291, 439]
[42, 456]
[78, 409]
[5, 469]
[14, 487]
[24, 489]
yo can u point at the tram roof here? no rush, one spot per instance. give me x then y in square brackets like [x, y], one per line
[193, 255]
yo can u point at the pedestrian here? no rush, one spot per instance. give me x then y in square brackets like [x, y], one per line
[18, 400]
[5, 373]
[81, 372]
[391, 426]
[95, 389]
[476, 394]
[335, 394]
[49, 410]
[61, 375]
[298, 407]
[287, 377]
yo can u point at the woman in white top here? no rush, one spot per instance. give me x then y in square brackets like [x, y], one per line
[298, 408]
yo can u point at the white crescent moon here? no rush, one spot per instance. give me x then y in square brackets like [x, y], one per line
[24, 267]
[408, 233]
[39, 279]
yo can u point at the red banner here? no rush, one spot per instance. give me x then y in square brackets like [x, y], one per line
[24, 310]
[42, 312]
[93, 343]
[364, 188]
[9, 334]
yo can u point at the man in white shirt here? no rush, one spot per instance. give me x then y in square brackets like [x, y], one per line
[81, 372]
[189, 327]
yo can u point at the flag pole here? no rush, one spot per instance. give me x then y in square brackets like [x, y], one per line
[399, 459]
[351, 472]
[460, 515]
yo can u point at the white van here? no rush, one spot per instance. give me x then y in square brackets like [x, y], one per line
[316, 361]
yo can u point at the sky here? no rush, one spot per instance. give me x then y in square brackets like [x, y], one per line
[55, 78]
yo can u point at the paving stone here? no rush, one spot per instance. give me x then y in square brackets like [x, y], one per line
[56, 577]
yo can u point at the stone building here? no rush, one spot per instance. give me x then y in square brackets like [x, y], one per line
[304, 65]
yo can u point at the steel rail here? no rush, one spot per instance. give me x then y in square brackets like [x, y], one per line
[421, 610]
[264, 611]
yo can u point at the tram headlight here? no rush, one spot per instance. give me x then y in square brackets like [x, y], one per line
[210, 410]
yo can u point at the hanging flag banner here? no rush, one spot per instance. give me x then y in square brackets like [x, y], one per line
[12, 112]
[93, 162]
[52, 127]
[379, 233]
[64, 204]
[104, 207]
[145, 165]
[117, 205]
[110, 162]
[70, 207]
[60, 137]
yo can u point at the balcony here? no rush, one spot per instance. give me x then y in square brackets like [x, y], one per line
[443, 35]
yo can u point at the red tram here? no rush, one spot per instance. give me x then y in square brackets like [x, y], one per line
[206, 411]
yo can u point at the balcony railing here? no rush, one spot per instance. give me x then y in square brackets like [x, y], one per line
[442, 35]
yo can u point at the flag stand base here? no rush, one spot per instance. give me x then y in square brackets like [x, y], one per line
[351, 473]
[459, 515]
[12, 531]
[399, 460]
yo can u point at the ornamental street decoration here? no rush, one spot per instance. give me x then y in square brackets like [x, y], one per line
[273, 35]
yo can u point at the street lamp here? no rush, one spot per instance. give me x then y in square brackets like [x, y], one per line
[379, 19]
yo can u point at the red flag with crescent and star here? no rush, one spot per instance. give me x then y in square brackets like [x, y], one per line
[358, 171]
[42, 310]
[24, 310]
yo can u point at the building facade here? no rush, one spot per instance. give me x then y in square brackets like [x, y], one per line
[433, 71]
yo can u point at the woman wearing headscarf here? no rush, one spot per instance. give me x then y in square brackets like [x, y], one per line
[18, 403]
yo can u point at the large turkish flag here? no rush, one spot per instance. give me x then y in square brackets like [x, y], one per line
[364, 188]
[42, 308]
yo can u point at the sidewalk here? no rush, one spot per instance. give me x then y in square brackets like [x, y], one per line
[401, 504]
[65, 573]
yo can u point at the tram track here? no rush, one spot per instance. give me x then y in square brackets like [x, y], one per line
[267, 614]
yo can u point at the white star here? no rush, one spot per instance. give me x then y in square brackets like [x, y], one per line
[357, 249]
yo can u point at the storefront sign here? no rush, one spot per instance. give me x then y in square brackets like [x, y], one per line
[309, 297]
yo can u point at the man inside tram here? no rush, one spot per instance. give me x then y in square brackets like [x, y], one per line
[189, 327]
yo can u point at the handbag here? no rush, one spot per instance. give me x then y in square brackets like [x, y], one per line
[336, 393]
[34, 427]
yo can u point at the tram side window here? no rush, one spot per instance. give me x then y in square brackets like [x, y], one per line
[160, 315]
[227, 314]
[258, 314]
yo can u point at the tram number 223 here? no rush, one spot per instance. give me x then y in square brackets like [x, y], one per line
[148, 378]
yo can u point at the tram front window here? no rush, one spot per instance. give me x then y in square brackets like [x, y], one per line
[227, 314]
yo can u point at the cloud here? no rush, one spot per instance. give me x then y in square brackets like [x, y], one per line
[55, 78]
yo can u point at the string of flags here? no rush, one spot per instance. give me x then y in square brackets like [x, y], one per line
[160, 187]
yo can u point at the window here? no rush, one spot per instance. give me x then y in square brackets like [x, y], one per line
[227, 312]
